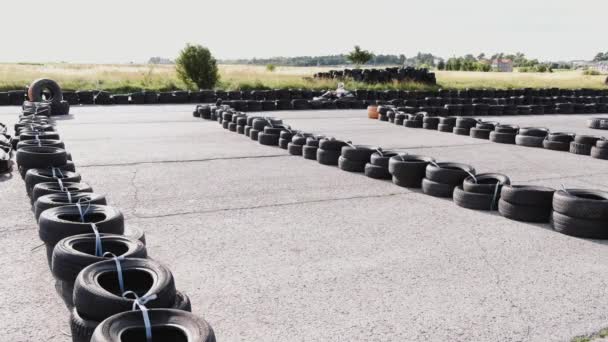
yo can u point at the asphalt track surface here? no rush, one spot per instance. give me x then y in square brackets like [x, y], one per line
[273, 247]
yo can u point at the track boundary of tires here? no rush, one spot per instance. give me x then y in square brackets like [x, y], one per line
[539, 137]
[96, 310]
[576, 212]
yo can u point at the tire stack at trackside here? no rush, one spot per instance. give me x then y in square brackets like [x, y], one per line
[600, 150]
[558, 141]
[582, 216]
[598, 123]
[310, 148]
[78, 228]
[45, 93]
[504, 134]
[463, 126]
[531, 136]
[483, 129]
[6, 150]
[582, 144]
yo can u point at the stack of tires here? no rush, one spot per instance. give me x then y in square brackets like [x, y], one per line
[483, 129]
[531, 136]
[463, 126]
[480, 192]
[377, 167]
[526, 203]
[582, 144]
[441, 178]
[598, 123]
[558, 141]
[44, 92]
[504, 134]
[297, 143]
[310, 148]
[353, 158]
[580, 212]
[408, 170]
[600, 150]
[329, 151]
[101, 268]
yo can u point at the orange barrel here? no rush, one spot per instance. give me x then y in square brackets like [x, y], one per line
[372, 112]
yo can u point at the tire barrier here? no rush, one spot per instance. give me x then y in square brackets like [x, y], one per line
[598, 123]
[386, 75]
[576, 212]
[540, 137]
[100, 265]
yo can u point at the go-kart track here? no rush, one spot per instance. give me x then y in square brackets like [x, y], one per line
[274, 247]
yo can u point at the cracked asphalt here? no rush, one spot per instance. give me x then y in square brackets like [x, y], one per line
[272, 247]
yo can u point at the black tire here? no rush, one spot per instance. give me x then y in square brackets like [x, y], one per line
[486, 125]
[525, 213]
[240, 129]
[35, 176]
[408, 170]
[597, 123]
[40, 157]
[329, 144]
[74, 253]
[232, 127]
[429, 126]
[465, 123]
[556, 145]
[96, 292]
[502, 138]
[182, 302]
[448, 173]
[603, 143]
[582, 149]
[268, 139]
[294, 149]
[445, 128]
[41, 87]
[485, 183]
[599, 153]
[309, 152]
[450, 120]
[299, 139]
[413, 123]
[584, 228]
[539, 132]
[29, 135]
[510, 129]
[42, 142]
[42, 189]
[313, 141]
[376, 172]
[473, 200]
[529, 140]
[528, 195]
[479, 133]
[461, 131]
[586, 139]
[327, 157]
[287, 135]
[82, 329]
[247, 130]
[253, 134]
[60, 199]
[582, 203]
[351, 165]
[60, 222]
[172, 325]
[225, 123]
[358, 153]
[283, 143]
[381, 158]
[436, 189]
[561, 137]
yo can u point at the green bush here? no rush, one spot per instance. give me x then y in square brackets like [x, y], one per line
[271, 67]
[591, 72]
[196, 67]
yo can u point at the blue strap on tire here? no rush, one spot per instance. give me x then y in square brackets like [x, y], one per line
[117, 260]
[98, 247]
[141, 304]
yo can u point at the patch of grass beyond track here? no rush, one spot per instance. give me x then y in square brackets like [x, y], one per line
[123, 78]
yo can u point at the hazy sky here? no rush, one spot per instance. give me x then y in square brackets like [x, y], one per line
[134, 30]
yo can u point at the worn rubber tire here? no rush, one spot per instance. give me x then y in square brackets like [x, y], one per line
[436, 189]
[60, 222]
[381, 158]
[309, 152]
[413, 123]
[525, 213]
[502, 138]
[561, 137]
[473, 200]
[445, 128]
[582, 203]
[350, 165]
[529, 140]
[556, 145]
[597, 123]
[268, 139]
[486, 183]
[253, 134]
[331, 144]
[35, 176]
[461, 131]
[36, 88]
[509, 129]
[376, 172]
[240, 129]
[283, 143]
[584, 228]
[539, 132]
[448, 173]
[479, 133]
[358, 153]
[294, 149]
[40, 157]
[529, 195]
[195, 328]
[60, 199]
[409, 169]
[42, 189]
[599, 153]
[327, 157]
[581, 149]
[43, 142]
[587, 139]
[248, 130]
[82, 329]
[94, 301]
[74, 253]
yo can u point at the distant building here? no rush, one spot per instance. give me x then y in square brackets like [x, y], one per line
[502, 65]
[159, 60]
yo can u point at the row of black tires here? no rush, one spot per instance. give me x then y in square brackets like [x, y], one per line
[576, 212]
[386, 75]
[594, 146]
[598, 123]
[86, 241]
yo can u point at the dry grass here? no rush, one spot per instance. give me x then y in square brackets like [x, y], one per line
[127, 78]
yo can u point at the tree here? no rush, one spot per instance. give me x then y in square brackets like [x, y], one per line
[441, 65]
[601, 57]
[359, 57]
[196, 66]
[481, 56]
[270, 67]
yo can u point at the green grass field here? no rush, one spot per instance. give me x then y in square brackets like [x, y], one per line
[119, 78]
